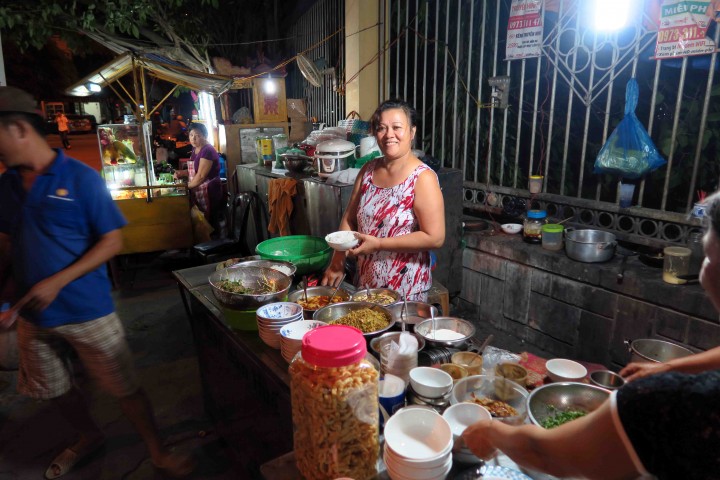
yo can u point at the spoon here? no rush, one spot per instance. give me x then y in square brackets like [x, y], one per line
[305, 286]
[337, 288]
[481, 348]
[403, 313]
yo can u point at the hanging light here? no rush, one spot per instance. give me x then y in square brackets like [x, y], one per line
[610, 15]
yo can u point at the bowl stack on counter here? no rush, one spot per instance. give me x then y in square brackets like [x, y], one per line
[271, 318]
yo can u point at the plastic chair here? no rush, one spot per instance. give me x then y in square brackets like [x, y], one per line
[246, 211]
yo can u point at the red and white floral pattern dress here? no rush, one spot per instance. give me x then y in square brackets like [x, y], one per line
[388, 212]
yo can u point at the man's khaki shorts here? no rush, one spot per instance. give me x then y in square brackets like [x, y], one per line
[100, 344]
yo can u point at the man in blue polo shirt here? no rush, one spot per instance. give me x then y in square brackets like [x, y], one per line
[58, 228]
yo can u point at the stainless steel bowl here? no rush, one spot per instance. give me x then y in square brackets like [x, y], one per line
[295, 162]
[554, 398]
[463, 327]
[279, 265]
[361, 295]
[416, 312]
[377, 343]
[337, 310]
[477, 387]
[316, 292]
[607, 379]
[251, 278]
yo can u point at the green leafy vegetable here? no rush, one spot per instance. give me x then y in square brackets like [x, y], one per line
[559, 418]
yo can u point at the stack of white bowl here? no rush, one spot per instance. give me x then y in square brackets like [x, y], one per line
[272, 317]
[291, 336]
[418, 445]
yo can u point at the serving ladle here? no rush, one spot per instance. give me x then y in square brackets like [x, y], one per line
[337, 288]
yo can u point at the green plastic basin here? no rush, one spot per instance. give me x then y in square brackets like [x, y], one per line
[309, 254]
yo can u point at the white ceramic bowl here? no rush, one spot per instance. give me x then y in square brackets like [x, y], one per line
[430, 382]
[342, 240]
[462, 415]
[279, 311]
[564, 370]
[418, 434]
[297, 330]
[511, 228]
[400, 470]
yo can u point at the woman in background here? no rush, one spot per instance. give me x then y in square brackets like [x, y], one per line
[203, 173]
[397, 209]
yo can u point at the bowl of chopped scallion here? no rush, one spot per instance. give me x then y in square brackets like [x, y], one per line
[555, 404]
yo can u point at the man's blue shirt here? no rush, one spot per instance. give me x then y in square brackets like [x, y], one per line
[63, 215]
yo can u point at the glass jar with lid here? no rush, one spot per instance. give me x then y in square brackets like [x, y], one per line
[552, 236]
[335, 409]
[532, 226]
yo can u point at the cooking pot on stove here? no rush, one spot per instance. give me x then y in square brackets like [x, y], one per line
[589, 245]
[332, 156]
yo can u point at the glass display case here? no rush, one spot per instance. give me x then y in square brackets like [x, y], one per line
[126, 156]
[156, 208]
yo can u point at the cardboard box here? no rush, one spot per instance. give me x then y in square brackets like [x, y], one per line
[296, 109]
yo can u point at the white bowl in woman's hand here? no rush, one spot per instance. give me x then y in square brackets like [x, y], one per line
[342, 241]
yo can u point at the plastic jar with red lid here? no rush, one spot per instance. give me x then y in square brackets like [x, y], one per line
[334, 392]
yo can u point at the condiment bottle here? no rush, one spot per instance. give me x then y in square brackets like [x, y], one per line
[334, 392]
[532, 226]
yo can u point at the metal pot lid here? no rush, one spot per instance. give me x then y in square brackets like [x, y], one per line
[336, 147]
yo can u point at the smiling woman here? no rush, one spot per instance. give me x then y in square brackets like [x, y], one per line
[397, 209]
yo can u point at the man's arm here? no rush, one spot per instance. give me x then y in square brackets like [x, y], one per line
[4, 260]
[44, 292]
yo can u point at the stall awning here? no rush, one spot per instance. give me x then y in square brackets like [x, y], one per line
[171, 72]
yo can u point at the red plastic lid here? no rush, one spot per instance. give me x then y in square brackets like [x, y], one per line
[334, 346]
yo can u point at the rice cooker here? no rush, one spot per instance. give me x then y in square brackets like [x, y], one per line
[332, 156]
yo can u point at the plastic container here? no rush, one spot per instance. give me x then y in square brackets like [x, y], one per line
[335, 408]
[309, 254]
[265, 152]
[532, 226]
[535, 183]
[676, 262]
[552, 236]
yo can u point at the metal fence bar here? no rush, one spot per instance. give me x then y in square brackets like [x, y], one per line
[676, 121]
[534, 116]
[606, 128]
[456, 84]
[488, 163]
[521, 99]
[551, 120]
[435, 64]
[466, 130]
[407, 46]
[656, 82]
[588, 109]
[703, 123]
[415, 50]
[479, 91]
[445, 72]
[424, 77]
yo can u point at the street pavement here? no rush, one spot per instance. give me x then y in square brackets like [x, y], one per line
[84, 147]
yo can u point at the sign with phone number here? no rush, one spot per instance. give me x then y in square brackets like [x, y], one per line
[683, 29]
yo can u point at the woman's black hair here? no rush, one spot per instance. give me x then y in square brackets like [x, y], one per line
[712, 210]
[199, 127]
[391, 105]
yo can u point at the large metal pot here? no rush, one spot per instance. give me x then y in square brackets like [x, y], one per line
[590, 246]
[250, 278]
[426, 329]
[646, 350]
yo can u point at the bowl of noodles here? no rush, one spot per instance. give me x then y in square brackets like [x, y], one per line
[317, 298]
[246, 288]
[371, 319]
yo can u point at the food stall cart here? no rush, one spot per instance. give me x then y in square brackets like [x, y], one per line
[157, 209]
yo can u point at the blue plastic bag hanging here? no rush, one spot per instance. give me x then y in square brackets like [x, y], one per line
[629, 152]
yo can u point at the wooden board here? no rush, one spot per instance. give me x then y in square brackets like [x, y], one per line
[163, 224]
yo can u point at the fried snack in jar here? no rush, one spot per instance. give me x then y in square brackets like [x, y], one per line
[335, 411]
